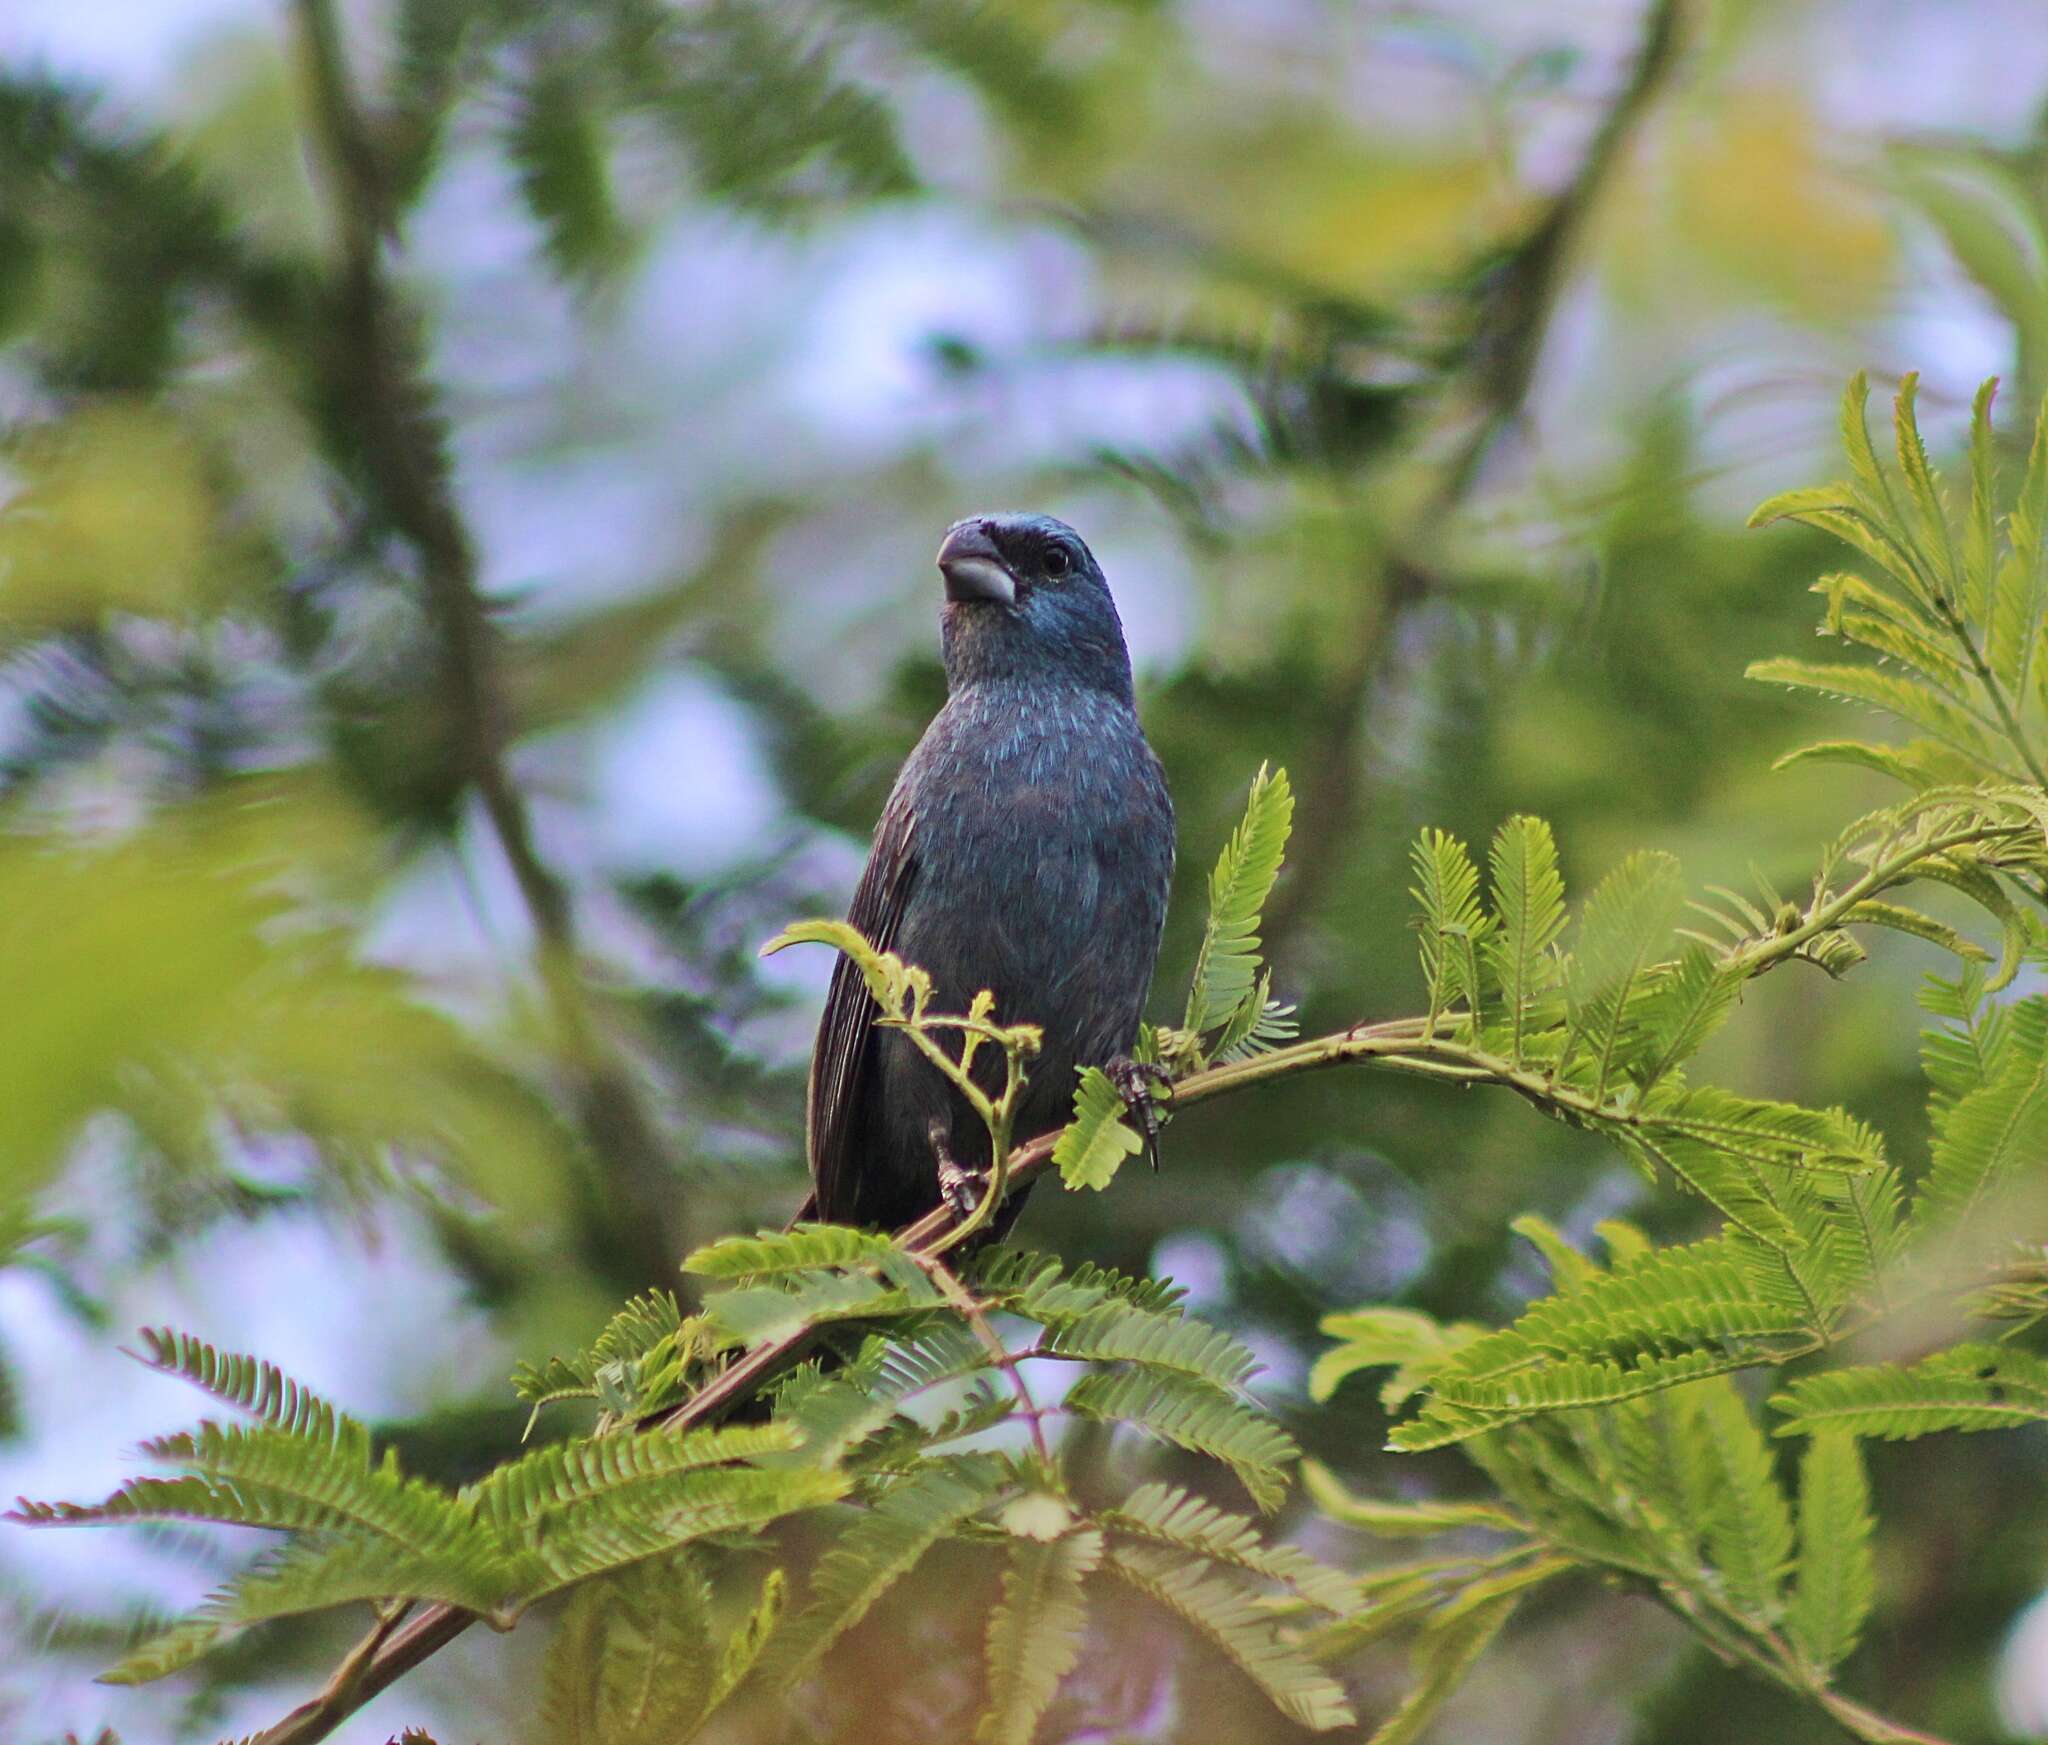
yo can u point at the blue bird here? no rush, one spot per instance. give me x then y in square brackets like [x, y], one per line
[1026, 848]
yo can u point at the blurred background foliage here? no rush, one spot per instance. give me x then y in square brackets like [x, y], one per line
[468, 477]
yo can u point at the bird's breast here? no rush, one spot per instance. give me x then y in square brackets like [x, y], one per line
[1044, 823]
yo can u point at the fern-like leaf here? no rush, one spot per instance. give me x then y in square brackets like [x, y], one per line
[1627, 921]
[1749, 1531]
[1528, 918]
[1452, 924]
[1117, 1332]
[631, 1662]
[247, 1383]
[1034, 1634]
[1168, 1515]
[1967, 1387]
[876, 1552]
[1835, 1583]
[777, 1253]
[1227, 961]
[1093, 1145]
[1386, 1520]
[1989, 1134]
[1217, 1607]
[1193, 1416]
[1443, 1658]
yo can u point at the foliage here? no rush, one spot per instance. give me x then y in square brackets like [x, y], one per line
[278, 661]
[1605, 1414]
[900, 1416]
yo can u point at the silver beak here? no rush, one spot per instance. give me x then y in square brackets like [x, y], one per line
[973, 569]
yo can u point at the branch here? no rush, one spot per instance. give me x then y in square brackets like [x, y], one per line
[1411, 1045]
[373, 373]
[1513, 315]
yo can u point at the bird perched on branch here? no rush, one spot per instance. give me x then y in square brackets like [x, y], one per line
[1026, 848]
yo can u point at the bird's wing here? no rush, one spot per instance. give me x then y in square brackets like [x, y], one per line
[840, 1062]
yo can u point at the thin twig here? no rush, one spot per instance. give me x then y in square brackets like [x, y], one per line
[1401, 1044]
[374, 373]
[975, 1314]
[1513, 318]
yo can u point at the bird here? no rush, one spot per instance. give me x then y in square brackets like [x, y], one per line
[1026, 847]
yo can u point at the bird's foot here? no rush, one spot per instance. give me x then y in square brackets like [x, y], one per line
[1143, 1085]
[961, 1188]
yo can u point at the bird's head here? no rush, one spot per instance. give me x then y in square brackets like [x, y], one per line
[1026, 599]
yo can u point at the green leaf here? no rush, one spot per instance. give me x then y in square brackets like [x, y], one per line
[1872, 912]
[1919, 763]
[527, 1494]
[1714, 1293]
[1093, 1145]
[772, 1253]
[1217, 1607]
[2022, 593]
[557, 145]
[756, 1315]
[315, 1572]
[1726, 1180]
[1568, 1267]
[1988, 1136]
[1452, 924]
[1987, 215]
[892, 984]
[637, 1365]
[1749, 1531]
[1258, 1026]
[609, 1532]
[744, 1646]
[1118, 1332]
[1034, 1634]
[1875, 501]
[1980, 550]
[1191, 1415]
[1374, 1338]
[1835, 1583]
[168, 1651]
[1464, 1408]
[1528, 918]
[876, 1552]
[1227, 961]
[1923, 488]
[632, 1660]
[1443, 1659]
[1384, 1520]
[1958, 728]
[838, 1415]
[258, 1476]
[1802, 503]
[248, 1383]
[1627, 921]
[1967, 1387]
[1169, 1515]
[1682, 1005]
[769, 119]
[1046, 1290]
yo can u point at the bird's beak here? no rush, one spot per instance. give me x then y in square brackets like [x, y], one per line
[973, 569]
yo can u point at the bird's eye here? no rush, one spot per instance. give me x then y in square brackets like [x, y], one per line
[1057, 563]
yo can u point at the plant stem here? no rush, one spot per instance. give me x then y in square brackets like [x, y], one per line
[1398, 1044]
[375, 379]
[2014, 732]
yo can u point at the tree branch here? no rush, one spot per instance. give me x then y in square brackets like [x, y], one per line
[1409, 1045]
[373, 375]
[1513, 315]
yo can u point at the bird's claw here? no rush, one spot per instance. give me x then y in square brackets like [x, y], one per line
[1141, 1084]
[960, 1188]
